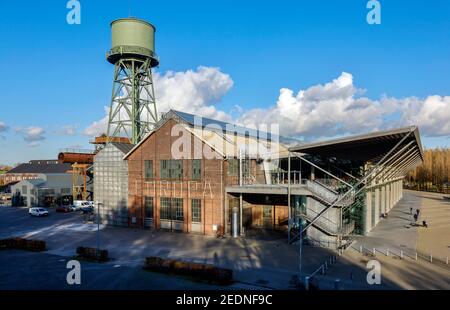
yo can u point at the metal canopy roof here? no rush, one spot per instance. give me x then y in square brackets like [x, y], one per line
[364, 148]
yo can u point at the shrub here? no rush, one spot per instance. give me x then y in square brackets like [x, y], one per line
[23, 244]
[92, 254]
[198, 271]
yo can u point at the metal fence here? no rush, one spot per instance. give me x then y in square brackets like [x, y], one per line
[404, 254]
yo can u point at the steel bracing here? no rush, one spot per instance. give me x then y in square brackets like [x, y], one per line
[392, 166]
[133, 106]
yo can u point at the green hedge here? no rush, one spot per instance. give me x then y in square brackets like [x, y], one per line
[198, 271]
[23, 244]
[92, 254]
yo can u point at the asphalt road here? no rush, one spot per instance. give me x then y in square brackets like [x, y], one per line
[256, 263]
[24, 270]
[63, 232]
[15, 221]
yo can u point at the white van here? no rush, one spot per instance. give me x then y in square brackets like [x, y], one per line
[36, 211]
[80, 204]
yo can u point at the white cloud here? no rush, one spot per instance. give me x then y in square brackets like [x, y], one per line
[3, 127]
[432, 114]
[192, 91]
[320, 111]
[99, 127]
[68, 130]
[336, 108]
[32, 135]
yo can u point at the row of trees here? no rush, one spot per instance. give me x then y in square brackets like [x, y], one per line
[3, 170]
[433, 174]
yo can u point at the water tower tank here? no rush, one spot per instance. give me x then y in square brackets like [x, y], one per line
[132, 37]
[133, 111]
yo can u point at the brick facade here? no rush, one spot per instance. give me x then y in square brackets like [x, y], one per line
[209, 189]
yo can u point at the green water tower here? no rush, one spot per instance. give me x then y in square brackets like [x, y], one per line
[133, 108]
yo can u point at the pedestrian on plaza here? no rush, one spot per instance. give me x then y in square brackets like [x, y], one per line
[410, 210]
[415, 217]
[424, 223]
[418, 212]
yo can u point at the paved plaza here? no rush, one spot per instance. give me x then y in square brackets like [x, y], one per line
[396, 235]
[257, 262]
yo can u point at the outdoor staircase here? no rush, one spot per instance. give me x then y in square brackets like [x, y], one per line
[326, 195]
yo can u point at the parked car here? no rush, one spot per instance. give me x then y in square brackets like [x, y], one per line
[64, 209]
[38, 211]
[73, 208]
[80, 204]
[87, 209]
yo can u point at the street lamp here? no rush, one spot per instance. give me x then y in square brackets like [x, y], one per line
[98, 226]
[300, 250]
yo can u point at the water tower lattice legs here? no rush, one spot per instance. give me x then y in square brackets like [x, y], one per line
[133, 106]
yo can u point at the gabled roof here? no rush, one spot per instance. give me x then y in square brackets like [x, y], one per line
[41, 166]
[212, 124]
[123, 147]
[35, 182]
[221, 136]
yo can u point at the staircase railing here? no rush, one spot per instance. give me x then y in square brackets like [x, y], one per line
[321, 191]
[329, 225]
[327, 195]
[361, 183]
[324, 222]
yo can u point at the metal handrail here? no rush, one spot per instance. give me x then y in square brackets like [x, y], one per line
[321, 191]
[323, 222]
[327, 195]
[341, 228]
[321, 183]
[374, 171]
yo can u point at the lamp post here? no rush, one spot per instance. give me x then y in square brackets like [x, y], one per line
[98, 228]
[300, 251]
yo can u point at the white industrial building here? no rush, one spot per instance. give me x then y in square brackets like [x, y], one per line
[44, 190]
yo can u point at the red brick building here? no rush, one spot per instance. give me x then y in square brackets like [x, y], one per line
[195, 175]
[179, 173]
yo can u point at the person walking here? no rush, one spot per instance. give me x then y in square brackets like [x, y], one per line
[424, 223]
[418, 212]
[415, 217]
[410, 210]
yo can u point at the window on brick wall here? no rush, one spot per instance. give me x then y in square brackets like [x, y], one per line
[148, 206]
[233, 167]
[165, 169]
[172, 209]
[165, 209]
[171, 169]
[176, 169]
[246, 167]
[196, 206]
[148, 169]
[196, 169]
[177, 204]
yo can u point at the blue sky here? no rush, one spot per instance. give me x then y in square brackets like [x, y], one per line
[56, 75]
